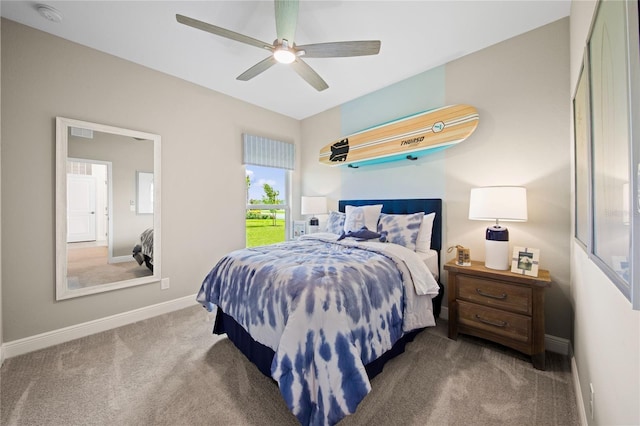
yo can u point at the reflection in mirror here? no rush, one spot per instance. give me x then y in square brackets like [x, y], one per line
[145, 192]
[107, 208]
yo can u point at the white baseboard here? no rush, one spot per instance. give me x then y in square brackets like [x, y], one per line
[551, 343]
[55, 337]
[121, 259]
[444, 313]
[556, 344]
[582, 413]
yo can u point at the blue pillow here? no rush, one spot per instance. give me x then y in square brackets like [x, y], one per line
[401, 229]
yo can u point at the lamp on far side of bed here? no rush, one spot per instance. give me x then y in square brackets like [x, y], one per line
[313, 206]
[506, 203]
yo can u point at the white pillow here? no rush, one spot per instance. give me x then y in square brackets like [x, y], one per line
[359, 216]
[423, 243]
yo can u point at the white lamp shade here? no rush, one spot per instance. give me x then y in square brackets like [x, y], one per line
[508, 203]
[313, 205]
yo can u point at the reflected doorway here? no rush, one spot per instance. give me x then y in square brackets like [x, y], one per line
[90, 261]
[88, 201]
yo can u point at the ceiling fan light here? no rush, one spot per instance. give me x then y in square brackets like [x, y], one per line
[284, 56]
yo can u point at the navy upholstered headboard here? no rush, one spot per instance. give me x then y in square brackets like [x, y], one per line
[407, 206]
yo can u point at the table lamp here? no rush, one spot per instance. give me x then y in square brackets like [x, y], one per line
[506, 203]
[313, 206]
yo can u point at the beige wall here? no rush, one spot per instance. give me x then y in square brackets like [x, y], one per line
[319, 179]
[203, 182]
[606, 340]
[521, 89]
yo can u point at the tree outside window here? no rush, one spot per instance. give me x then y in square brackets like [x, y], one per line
[267, 206]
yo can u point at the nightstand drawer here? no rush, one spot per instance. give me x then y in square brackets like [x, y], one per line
[494, 293]
[512, 326]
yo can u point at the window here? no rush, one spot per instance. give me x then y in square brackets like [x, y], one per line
[268, 165]
[267, 219]
[612, 61]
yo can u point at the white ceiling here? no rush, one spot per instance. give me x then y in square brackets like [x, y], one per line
[416, 36]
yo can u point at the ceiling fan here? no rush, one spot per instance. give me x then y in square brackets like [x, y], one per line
[284, 50]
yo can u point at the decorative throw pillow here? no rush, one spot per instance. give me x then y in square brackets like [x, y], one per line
[359, 216]
[362, 234]
[423, 243]
[401, 229]
[335, 222]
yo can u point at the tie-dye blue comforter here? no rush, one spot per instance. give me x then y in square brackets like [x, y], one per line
[326, 308]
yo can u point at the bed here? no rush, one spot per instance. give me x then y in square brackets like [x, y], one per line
[322, 314]
[143, 252]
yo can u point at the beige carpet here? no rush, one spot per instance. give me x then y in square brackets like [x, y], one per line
[170, 370]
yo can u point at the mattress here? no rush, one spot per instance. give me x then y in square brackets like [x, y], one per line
[431, 260]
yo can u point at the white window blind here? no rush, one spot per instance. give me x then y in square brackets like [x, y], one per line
[261, 151]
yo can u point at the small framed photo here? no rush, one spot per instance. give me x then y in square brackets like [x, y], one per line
[525, 261]
[463, 258]
[299, 227]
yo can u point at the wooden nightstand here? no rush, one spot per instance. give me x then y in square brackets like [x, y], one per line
[500, 306]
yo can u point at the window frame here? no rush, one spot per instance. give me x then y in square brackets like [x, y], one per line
[288, 223]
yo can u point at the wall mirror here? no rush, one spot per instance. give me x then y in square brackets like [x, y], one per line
[107, 208]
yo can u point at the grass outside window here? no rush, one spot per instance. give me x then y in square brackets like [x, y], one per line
[261, 230]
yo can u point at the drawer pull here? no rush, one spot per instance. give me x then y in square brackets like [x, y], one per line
[492, 296]
[494, 323]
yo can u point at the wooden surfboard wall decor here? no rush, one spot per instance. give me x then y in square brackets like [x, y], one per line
[405, 138]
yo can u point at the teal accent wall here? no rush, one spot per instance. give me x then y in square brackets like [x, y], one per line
[402, 178]
[416, 94]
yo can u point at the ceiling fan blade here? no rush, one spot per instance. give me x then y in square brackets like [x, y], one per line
[310, 76]
[223, 32]
[258, 68]
[341, 49]
[286, 20]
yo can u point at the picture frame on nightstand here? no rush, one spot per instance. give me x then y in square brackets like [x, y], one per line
[463, 256]
[525, 261]
[299, 228]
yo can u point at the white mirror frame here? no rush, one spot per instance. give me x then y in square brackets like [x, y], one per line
[62, 145]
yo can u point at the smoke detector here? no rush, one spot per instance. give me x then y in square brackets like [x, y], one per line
[49, 13]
